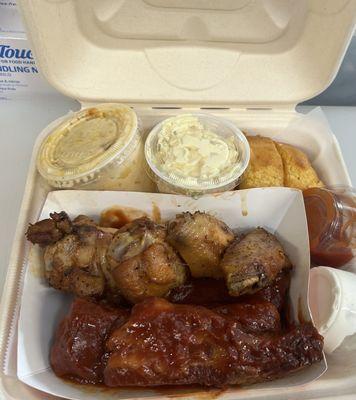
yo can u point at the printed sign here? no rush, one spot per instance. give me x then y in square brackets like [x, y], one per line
[19, 74]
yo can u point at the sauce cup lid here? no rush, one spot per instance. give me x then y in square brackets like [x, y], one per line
[86, 142]
[332, 304]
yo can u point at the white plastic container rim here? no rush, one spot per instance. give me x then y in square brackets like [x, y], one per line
[195, 184]
[332, 300]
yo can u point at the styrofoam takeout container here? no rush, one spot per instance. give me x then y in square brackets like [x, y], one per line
[248, 61]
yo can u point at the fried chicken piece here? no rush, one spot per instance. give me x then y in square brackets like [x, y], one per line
[73, 252]
[169, 344]
[73, 264]
[141, 264]
[78, 351]
[83, 220]
[201, 240]
[49, 231]
[253, 317]
[253, 262]
[85, 259]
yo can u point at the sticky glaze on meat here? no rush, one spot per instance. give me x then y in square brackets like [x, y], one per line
[212, 292]
[276, 292]
[255, 317]
[202, 291]
[78, 349]
[169, 344]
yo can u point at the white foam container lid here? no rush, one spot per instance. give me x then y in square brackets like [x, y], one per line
[250, 61]
[272, 53]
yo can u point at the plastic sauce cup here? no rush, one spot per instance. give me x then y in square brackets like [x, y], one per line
[195, 154]
[332, 301]
[331, 215]
[98, 148]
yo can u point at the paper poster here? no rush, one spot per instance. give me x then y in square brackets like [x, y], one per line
[19, 75]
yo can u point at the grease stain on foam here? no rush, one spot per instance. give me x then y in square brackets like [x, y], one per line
[223, 195]
[243, 198]
[35, 262]
[156, 213]
[191, 205]
[189, 392]
[301, 315]
[172, 392]
[117, 216]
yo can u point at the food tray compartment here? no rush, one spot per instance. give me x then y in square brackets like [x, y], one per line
[278, 210]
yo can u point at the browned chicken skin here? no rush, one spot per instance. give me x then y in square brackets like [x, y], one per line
[50, 230]
[168, 344]
[253, 262]
[141, 264]
[73, 253]
[201, 240]
[138, 262]
[73, 264]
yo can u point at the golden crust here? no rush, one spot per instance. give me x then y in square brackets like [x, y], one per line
[265, 168]
[298, 172]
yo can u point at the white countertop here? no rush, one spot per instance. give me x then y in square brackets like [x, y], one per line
[22, 120]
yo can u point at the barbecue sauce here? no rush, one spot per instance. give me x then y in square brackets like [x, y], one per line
[331, 219]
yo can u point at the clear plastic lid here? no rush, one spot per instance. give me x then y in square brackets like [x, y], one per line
[332, 304]
[86, 142]
[331, 215]
[196, 153]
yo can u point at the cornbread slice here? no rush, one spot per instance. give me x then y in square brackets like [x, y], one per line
[265, 167]
[298, 172]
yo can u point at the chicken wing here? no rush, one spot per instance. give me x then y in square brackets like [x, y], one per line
[79, 345]
[73, 264]
[73, 253]
[169, 344]
[200, 239]
[141, 264]
[85, 259]
[253, 262]
[50, 230]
